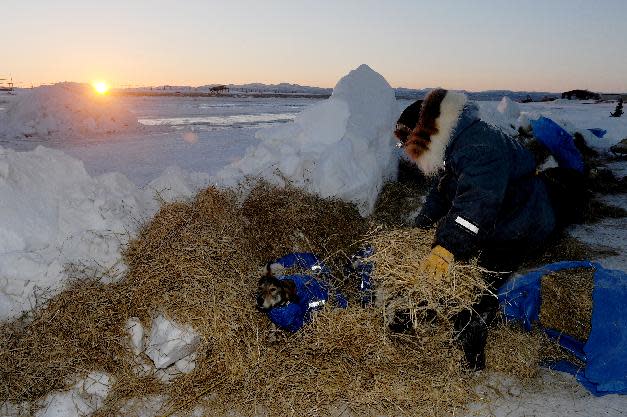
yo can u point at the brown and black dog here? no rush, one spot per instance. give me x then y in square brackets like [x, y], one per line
[273, 292]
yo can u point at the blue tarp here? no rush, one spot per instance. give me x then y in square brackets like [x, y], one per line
[559, 142]
[312, 293]
[605, 351]
[599, 133]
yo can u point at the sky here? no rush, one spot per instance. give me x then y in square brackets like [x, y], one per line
[535, 45]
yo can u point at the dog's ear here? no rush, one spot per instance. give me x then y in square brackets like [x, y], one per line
[268, 272]
[290, 289]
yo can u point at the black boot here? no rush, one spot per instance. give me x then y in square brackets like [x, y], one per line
[471, 330]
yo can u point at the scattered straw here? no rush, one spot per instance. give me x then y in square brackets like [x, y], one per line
[280, 220]
[197, 262]
[400, 286]
[514, 352]
[567, 301]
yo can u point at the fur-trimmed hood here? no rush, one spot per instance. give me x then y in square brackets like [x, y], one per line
[439, 120]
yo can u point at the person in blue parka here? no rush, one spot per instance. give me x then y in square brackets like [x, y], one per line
[486, 198]
[487, 195]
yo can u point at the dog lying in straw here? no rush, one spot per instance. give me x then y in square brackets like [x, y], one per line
[290, 300]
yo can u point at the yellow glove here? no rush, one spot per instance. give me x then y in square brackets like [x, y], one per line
[436, 264]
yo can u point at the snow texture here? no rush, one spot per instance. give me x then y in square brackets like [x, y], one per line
[67, 110]
[509, 109]
[170, 341]
[341, 147]
[136, 335]
[551, 394]
[82, 399]
[53, 213]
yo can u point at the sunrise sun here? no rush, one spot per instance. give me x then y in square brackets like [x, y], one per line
[101, 87]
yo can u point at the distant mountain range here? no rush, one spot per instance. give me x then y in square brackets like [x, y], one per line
[296, 89]
[488, 95]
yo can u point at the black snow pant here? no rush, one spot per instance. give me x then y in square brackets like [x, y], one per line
[471, 326]
[569, 198]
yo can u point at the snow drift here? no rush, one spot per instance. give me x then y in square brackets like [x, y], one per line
[510, 116]
[52, 213]
[65, 110]
[342, 147]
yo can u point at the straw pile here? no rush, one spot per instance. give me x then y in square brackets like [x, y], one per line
[400, 200]
[197, 263]
[280, 220]
[512, 351]
[567, 301]
[72, 333]
[400, 287]
[396, 203]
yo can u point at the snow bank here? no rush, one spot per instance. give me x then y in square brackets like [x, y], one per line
[342, 147]
[65, 110]
[573, 116]
[52, 212]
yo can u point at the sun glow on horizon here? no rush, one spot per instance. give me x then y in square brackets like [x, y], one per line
[101, 87]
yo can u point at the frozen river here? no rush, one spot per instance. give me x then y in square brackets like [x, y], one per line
[197, 134]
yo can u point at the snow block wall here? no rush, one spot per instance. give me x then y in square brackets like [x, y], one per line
[342, 147]
[65, 110]
[53, 212]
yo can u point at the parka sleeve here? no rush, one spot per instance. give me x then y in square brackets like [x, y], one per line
[436, 205]
[483, 175]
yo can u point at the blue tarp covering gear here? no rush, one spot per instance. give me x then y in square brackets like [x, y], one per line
[599, 133]
[312, 293]
[559, 142]
[605, 351]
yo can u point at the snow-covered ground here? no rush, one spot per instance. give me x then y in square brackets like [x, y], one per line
[81, 201]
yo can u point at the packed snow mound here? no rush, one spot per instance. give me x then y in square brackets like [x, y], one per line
[342, 147]
[509, 109]
[503, 116]
[52, 213]
[65, 110]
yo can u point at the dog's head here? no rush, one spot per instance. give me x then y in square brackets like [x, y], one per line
[273, 292]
